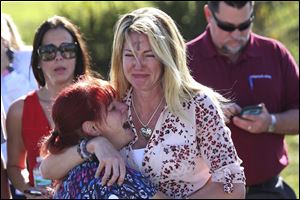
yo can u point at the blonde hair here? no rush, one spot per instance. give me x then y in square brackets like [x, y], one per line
[10, 32]
[169, 47]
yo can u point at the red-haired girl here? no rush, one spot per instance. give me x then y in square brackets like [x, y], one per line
[82, 111]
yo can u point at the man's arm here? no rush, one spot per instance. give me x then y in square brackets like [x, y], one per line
[286, 122]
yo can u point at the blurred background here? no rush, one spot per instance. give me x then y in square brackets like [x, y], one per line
[276, 19]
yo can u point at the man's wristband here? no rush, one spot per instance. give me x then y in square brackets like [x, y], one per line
[271, 127]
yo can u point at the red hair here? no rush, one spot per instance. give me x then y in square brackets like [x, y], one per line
[85, 100]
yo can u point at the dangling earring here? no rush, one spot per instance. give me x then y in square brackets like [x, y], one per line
[38, 67]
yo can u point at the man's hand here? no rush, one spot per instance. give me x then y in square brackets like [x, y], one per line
[254, 123]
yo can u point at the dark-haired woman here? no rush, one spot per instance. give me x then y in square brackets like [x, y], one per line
[59, 56]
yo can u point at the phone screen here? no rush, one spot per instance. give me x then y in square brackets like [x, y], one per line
[251, 110]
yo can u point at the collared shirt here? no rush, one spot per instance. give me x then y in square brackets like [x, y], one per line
[265, 72]
[181, 155]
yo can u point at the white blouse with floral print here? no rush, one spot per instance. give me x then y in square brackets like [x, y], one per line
[180, 157]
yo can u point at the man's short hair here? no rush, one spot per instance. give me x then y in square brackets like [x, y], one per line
[214, 5]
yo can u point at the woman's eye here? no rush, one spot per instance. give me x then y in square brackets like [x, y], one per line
[129, 55]
[150, 55]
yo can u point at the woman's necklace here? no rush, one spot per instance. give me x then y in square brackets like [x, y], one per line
[145, 130]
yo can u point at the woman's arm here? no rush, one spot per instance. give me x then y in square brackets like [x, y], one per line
[58, 165]
[5, 191]
[219, 153]
[214, 190]
[16, 158]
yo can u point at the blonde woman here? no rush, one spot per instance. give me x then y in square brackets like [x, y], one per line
[19, 69]
[181, 141]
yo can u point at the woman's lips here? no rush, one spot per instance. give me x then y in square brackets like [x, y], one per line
[126, 125]
[139, 75]
[60, 69]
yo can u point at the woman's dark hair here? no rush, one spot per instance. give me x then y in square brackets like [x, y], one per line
[82, 59]
[85, 100]
[214, 5]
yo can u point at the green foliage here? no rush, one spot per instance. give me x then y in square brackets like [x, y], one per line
[279, 20]
[99, 18]
[291, 173]
[29, 15]
[97, 24]
[188, 15]
[276, 19]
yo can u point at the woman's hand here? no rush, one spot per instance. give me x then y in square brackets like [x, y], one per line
[215, 190]
[230, 110]
[110, 161]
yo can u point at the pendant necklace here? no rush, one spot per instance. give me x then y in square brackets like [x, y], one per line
[145, 130]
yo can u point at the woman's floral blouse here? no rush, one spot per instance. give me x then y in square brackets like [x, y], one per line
[182, 155]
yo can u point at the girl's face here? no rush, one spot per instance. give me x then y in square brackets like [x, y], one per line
[60, 69]
[116, 127]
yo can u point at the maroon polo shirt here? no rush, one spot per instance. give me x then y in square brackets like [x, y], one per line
[265, 72]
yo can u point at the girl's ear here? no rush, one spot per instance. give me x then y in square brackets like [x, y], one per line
[90, 128]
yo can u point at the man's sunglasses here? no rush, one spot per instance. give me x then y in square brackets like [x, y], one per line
[48, 52]
[230, 27]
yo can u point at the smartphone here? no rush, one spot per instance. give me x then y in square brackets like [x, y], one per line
[251, 110]
[33, 192]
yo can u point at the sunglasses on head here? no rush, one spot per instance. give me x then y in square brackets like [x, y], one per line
[48, 52]
[231, 27]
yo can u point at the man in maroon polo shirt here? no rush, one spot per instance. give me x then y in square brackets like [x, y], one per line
[250, 69]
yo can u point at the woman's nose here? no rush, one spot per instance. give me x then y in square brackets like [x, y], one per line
[58, 56]
[138, 62]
